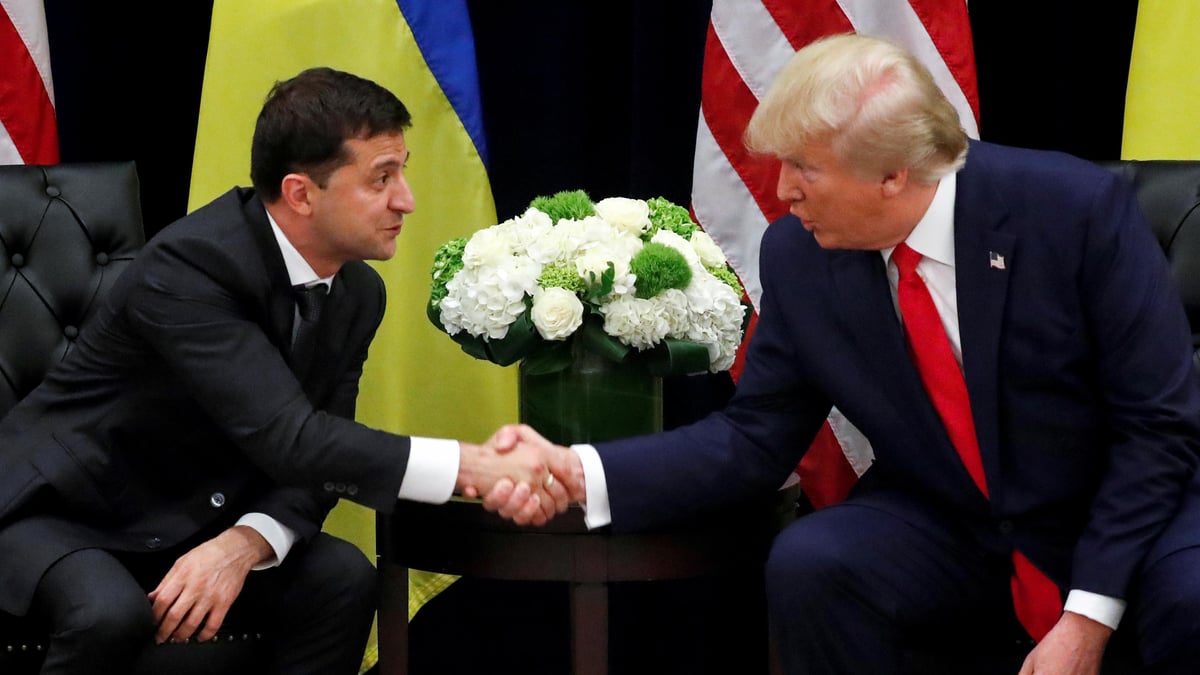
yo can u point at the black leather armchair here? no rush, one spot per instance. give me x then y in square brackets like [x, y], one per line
[66, 233]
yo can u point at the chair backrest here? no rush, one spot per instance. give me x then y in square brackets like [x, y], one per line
[1169, 194]
[66, 233]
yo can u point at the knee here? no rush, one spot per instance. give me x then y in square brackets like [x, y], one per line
[347, 572]
[802, 567]
[121, 623]
[1168, 612]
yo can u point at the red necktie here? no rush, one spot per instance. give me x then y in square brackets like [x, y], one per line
[1035, 597]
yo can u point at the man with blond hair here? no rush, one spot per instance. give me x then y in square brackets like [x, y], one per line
[1002, 325]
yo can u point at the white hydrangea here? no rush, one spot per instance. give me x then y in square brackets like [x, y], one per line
[596, 260]
[484, 301]
[715, 319]
[638, 323]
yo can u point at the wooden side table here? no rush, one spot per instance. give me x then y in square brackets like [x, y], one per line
[462, 538]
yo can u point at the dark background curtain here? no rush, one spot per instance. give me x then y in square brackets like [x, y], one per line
[602, 96]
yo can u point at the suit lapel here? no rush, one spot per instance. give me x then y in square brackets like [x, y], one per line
[984, 260]
[281, 306]
[863, 300]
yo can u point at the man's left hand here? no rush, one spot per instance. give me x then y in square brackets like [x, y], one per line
[193, 598]
[1074, 646]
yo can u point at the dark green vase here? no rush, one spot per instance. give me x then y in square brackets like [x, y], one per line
[591, 400]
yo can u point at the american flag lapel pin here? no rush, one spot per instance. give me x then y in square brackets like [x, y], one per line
[995, 260]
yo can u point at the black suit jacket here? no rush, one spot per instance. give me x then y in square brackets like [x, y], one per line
[178, 411]
[1077, 357]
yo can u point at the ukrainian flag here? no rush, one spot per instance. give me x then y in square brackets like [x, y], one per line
[1162, 100]
[416, 381]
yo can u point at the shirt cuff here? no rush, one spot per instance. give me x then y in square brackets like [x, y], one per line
[596, 512]
[432, 470]
[1100, 608]
[279, 536]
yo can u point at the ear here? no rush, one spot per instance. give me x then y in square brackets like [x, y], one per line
[297, 191]
[894, 183]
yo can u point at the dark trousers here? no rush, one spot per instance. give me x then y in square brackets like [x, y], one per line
[852, 587]
[316, 609]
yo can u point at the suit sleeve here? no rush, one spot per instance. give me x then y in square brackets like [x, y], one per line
[1144, 366]
[198, 321]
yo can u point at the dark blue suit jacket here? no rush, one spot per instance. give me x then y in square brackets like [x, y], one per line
[178, 411]
[1077, 357]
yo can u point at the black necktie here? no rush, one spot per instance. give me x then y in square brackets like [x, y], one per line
[309, 301]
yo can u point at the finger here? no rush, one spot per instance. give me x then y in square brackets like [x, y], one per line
[190, 624]
[530, 435]
[531, 512]
[559, 496]
[499, 495]
[163, 598]
[516, 500]
[212, 624]
[470, 492]
[505, 438]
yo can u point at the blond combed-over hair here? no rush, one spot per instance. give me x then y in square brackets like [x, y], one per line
[875, 105]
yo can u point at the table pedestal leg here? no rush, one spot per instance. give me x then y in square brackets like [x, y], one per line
[589, 628]
[393, 620]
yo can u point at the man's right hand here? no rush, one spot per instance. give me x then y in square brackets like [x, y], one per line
[508, 498]
[521, 460]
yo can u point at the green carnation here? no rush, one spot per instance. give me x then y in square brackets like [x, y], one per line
[561, 276]
[447, 262]
[659, 267]
[667, 215]
[572, 205]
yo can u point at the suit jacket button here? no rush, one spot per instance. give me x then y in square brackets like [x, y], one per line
[352, 489]
[329, 487]
[341, 487]
[1005, 527]
[153, 542]
[217, 500]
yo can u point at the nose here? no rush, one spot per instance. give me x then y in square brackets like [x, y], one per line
[789, 188]
[402, 199]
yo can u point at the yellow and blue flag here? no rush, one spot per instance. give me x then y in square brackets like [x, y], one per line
[416, 380]
[1163, 95]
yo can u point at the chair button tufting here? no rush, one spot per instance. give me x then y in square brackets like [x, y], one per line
[71, 332]
[217, 500]
[18, 260]
[102, 258]
[53, 191]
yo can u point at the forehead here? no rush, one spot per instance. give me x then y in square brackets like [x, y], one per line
[377, 150]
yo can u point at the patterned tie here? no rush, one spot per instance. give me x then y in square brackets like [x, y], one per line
[1035, 597]
[309, 301]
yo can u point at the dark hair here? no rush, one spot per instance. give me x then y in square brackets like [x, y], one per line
[306, 120]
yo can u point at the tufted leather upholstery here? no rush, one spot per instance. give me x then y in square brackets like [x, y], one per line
[66, 233]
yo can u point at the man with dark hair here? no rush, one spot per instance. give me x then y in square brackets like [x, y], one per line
[202, 427]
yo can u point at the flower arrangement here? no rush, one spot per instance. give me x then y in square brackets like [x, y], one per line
[630, 279]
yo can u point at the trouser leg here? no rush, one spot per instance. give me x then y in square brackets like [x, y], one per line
[317, 608]
[100, 617]
[849, 586]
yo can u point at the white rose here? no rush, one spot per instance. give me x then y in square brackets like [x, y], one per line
[487, 247]
[710, 254]
[556, 313]
[627, 215]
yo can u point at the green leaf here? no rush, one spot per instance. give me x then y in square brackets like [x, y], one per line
[677, 357]
[550, 360]
[521, 339]
[592, 337]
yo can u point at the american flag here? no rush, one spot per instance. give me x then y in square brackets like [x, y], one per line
[733, 195]
[28, 133]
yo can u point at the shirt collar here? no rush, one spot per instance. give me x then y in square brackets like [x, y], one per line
[300, 273]
[933, 237]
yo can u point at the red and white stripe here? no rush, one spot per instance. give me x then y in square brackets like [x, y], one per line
[733, 194]
[28, 133]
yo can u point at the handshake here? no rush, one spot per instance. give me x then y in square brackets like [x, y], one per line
[521, 475]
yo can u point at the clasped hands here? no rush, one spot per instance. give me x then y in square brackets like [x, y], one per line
[521, 475]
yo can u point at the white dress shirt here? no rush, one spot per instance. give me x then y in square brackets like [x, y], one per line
[933, 238]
